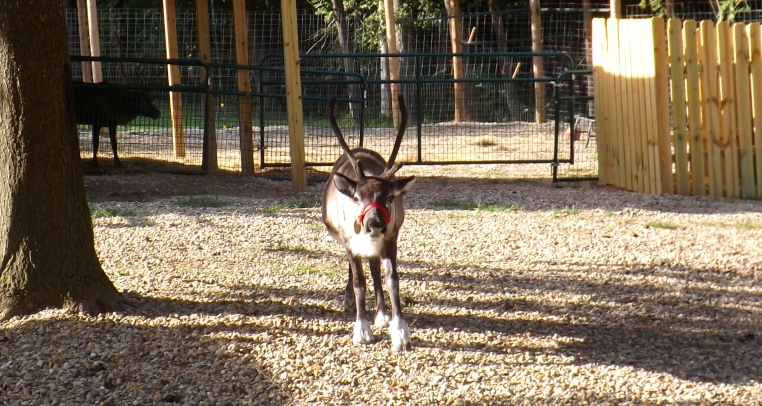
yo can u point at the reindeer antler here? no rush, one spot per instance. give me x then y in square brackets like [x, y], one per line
[340, 136]
[391, 167]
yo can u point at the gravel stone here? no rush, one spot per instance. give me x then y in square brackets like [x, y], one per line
[516, 292]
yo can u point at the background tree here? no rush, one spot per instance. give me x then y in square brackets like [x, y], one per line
[723, 9]
[46, 235]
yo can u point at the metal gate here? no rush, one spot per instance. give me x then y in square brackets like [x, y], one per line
[428, 141]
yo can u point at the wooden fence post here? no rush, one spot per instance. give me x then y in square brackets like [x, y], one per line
[205, 54]
[173, 73]
[294, 95]
[243, 84]
[677, 87]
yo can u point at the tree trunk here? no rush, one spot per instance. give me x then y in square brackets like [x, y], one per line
[458, 69]
[349, 63]
[506, 70]
[46, 236]
[537, 62]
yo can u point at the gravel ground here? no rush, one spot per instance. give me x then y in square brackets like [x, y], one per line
[516, 293]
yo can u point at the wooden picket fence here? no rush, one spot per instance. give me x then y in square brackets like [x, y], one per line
[679, 106]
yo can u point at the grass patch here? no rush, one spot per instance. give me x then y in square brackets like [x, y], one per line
[293, 249]
[317, 227]
[665, 225]
[299, 203]
[485, 141]
[473, 205]
[120, 198]
[749, 225]
[203, 201]
[111, 212]
[566, 211]
[308, 270]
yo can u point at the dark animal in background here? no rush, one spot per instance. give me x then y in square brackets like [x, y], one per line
[363, 209]
[103, 106]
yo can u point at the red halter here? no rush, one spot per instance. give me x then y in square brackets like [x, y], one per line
[369, 207]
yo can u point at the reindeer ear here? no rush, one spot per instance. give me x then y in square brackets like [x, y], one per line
[345, 185]
[402, 185]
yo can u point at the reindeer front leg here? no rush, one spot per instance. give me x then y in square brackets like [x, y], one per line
[112, 137]
[96, 141]
[362, 333]
[382, 314]
[398, 330]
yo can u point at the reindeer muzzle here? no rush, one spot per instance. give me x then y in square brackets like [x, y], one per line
[370, 207]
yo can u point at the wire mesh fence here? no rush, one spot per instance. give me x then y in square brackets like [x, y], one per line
[701, 10]
[501, 113]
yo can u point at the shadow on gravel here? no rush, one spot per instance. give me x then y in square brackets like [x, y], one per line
[527, 194]
[543, 195]
[110, 363]
[697, 334]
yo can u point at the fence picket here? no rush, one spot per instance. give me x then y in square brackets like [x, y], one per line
[648, 135]
[676, 50]
[693, 93]
[710, 96]
[728, 131]
[743, 104]
[755, 40]
[600, 76]
[639, 106]
[625, 168]
[663, 148]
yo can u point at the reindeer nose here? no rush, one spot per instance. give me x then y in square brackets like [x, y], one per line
[375, 225]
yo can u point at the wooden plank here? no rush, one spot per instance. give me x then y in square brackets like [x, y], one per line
[294, 95]
[84, 40]
[95, 43]
[626, 104]
[743, 110]
[711, 97]
[602, 109]
[728, 125]
[537, 62]
[650, 130]
[693, 93]
[618, 136]
[205, 54]
[458, 71]
[394, 64]
[638, 109]
[677, 87]
[243, 84]
[755, 39]
[665, 182]
[173, 74]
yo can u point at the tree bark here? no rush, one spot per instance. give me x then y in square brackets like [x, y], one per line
[349, 63]
[458, 71]
[46, 236]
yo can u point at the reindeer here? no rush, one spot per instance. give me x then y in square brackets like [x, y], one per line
[100, 105]
[363, 209]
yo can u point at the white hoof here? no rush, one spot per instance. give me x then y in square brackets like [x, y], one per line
[362, 333]
[382, 319]
[400, 335]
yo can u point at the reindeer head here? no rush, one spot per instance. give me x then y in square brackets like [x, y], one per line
[374, 188]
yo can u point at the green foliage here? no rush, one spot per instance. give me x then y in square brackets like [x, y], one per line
[728, 9]
[656, 6]
[725, 9]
